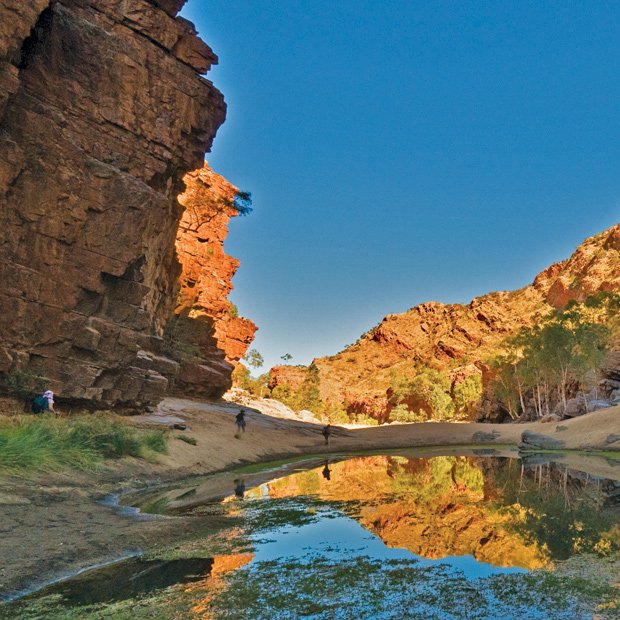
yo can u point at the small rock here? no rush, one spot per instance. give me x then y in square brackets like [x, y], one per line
[537, 441]
[612, 438]
[575, 407]
[595, 405]
[483, 436]
[550, 417]
[559, 428]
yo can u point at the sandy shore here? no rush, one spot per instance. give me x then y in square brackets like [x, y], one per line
[268, 438]
[58, 523]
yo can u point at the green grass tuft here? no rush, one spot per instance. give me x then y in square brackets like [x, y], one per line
[192, 441]
[48, 443]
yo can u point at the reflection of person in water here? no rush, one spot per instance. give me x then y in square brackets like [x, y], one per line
[326, 472]
[239, 487]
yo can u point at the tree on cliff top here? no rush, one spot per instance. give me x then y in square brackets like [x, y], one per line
[254, 358]
[242, 203]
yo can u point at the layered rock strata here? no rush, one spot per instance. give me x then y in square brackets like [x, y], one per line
[456, 337]
[103, 110]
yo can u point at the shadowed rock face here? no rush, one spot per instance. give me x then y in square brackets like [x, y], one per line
[103, 110]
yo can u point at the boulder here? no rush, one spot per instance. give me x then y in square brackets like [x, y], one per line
[530, 440]
[550, 417]
[484, 437]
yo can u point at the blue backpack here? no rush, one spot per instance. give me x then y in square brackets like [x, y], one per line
[39, 404]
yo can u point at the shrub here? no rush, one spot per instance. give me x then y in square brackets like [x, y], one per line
[402, 413]
[428, 390]
[24, 385]
[467, 394]
[192, 441]
[183, 336]
[336, 414]
[242, 203]
[362, 418]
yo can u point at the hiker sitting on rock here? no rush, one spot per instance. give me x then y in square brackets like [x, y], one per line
[43, 403]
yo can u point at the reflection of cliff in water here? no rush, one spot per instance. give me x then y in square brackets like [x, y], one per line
[494, 509]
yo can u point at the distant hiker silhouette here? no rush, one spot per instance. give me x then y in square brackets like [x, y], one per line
[239, 487]
[240, 422]
[327, 474]
[326, 432]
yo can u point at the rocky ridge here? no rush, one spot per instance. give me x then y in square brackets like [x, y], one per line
[453, 336]
[103, 111]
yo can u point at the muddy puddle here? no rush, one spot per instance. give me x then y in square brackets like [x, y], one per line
[386, 536]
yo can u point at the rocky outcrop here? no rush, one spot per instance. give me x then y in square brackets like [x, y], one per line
[290, 376]
[103, 110]
[207, 272]
[593, 267]
[459, 338]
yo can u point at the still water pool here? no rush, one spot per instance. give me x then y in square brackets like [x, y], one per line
[384, 536]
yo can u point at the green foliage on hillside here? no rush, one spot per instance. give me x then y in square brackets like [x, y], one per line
[402, 413]
[466, 395]
[308, 396]
[549, 362]
[426, 393]
[257, 386]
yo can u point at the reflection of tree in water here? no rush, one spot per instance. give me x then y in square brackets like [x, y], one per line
[435, 507]
[567, 511]
[426, 479]
[488, 507]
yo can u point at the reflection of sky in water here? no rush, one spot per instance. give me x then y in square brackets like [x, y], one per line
[335, 537]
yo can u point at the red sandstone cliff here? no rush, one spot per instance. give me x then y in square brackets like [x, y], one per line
[103, 110]
[207, 272]
[454, 336]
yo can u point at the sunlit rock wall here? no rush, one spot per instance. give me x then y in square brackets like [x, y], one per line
[103, 110]
[206, 281]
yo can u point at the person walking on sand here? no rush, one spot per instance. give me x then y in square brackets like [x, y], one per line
[240, 422]
[327, 431]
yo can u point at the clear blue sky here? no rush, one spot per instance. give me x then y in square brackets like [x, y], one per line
[402, 151]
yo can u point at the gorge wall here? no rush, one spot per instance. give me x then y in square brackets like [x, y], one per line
[103, 111]
[454, 337]
[205, 283]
